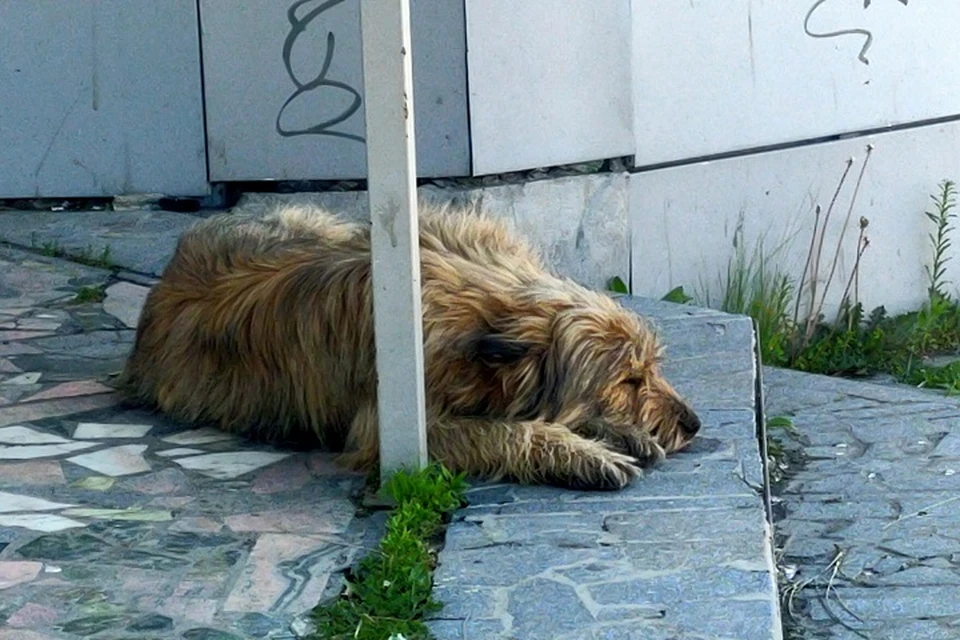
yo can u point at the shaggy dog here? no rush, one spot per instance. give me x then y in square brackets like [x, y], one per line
[263, 326]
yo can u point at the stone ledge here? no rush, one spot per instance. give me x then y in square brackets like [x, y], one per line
[685, 551]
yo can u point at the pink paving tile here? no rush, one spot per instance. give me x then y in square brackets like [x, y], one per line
[33, 615]
[8, 367]
[331, 516]
[191, 609]
[287, 475]
[199, 589]
[35, 472]
[196, 525]
[142, 581]
[160, 483]
[54, 408]
[70, 390]
[262, 585]
[322, 464]
[14, 573]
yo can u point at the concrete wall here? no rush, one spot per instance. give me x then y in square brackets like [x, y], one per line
[99, 97]
[580, 223]
[684, 218]
[675, 226]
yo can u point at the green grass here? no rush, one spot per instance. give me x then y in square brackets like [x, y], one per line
[390, 592]
[855, 343]
[90, 294]
[102, 259]
[751, 286]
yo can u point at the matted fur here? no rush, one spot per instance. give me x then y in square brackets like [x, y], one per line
[263, 326]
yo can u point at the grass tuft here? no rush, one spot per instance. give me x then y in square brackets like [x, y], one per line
[855, 343]
[90, 294]
[390, 592]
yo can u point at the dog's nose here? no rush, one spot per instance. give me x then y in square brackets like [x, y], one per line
[689, 422]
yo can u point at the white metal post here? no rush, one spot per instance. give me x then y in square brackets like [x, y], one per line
[392, 189]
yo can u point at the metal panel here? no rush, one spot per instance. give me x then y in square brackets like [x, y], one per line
[284, 89]
[100, 97]
[549, 82]
[712, 77]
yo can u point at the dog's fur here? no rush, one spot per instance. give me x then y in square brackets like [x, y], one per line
[263, 326]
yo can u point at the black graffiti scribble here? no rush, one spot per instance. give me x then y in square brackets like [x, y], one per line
[297, 27]
[867, 35]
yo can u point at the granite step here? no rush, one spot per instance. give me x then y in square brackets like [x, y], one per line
[684, 552]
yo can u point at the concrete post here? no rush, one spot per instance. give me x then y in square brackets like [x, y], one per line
[391, 174]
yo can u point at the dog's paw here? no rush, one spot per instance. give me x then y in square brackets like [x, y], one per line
[609, 472]
[646, 449]
[641, 446]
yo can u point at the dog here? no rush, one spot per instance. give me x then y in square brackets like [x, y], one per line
[263, 326]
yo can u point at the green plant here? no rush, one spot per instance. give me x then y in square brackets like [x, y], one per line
[51, 249]
[90, 294]
[617, 285]
[944, 203]
[751, 286]
[391, 590]
[89, 256]
[677, 295]
[776, 454]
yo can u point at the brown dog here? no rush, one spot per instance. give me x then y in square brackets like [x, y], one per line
[264, 327]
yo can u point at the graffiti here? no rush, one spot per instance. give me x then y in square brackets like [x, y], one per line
[298, 25]
[865, 33]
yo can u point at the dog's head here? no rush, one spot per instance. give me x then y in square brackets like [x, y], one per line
[583, 363]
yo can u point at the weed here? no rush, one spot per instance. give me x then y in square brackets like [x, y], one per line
[90, 257]
[52, 249]
[90, 294]
[677, 295]
[750, 286]
[776, 453]
[617, 285]
[391, 590]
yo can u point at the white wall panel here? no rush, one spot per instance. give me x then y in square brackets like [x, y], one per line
[549, 82]
[99, 98]
[255, 54]
[712, 77]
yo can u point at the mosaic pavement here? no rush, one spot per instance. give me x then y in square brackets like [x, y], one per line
[115, 523]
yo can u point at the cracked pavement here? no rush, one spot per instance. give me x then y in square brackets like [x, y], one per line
[869, 509]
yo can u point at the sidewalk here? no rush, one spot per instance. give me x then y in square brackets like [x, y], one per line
[870, 509]
[199, 536]
[148, 530]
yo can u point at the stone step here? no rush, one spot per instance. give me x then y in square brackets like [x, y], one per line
[685, 551]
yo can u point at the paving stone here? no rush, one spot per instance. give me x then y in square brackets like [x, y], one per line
[543, 609]
[880, 515]
[124, 301]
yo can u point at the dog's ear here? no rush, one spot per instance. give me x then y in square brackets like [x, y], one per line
[497, 350]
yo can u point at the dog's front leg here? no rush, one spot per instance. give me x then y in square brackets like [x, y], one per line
[531, 452]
